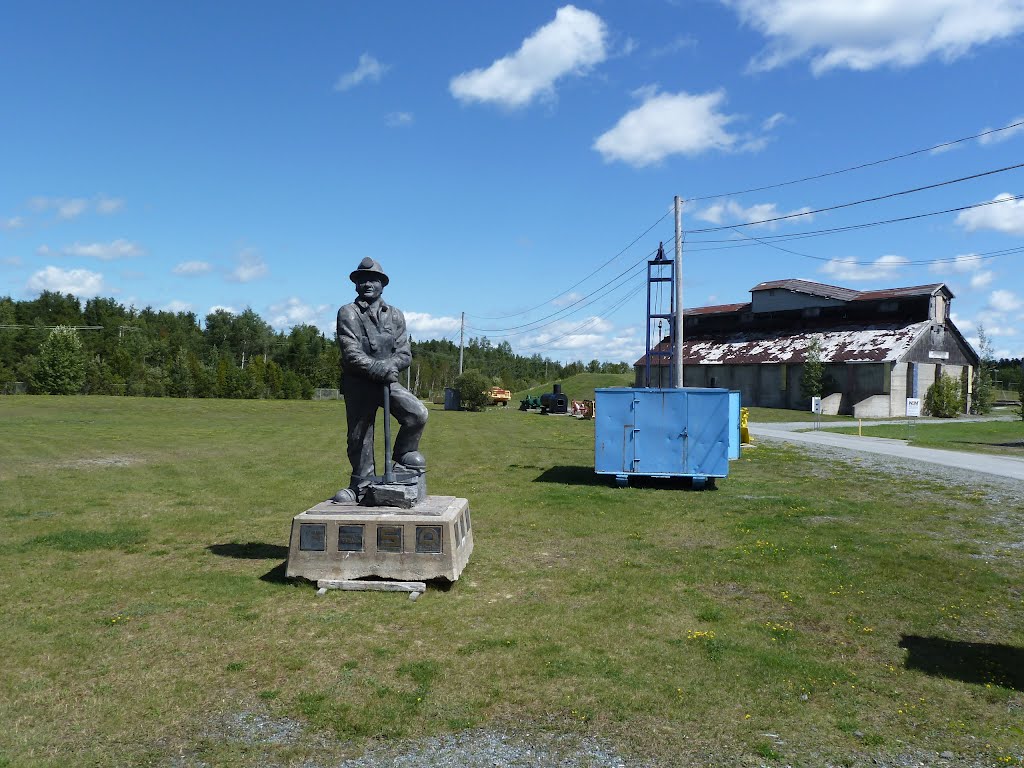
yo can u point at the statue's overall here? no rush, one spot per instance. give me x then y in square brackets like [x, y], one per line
[374, 350]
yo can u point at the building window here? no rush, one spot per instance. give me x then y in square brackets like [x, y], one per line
[811, 311]
[888, 306]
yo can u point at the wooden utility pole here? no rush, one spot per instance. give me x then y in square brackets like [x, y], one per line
[677, 282]
[462, 334]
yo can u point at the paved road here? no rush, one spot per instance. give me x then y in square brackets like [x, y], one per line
[1001, 466]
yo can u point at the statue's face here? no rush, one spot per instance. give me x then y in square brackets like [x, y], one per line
[369, 288]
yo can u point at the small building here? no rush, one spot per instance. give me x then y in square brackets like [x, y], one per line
[878, 347]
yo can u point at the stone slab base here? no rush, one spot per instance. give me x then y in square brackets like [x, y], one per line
[433, 540]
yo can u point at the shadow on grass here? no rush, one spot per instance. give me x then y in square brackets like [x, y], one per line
[253, 550]
[970, 662]
[587, 476]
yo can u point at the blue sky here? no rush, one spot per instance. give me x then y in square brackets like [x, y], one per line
[507, 160]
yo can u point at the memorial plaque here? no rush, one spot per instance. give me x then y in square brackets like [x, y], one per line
[428, 539]
[389, 538]
[313, 537]
[350, 538]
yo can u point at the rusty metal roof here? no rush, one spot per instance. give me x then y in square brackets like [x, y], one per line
[718, 309]
[848, 294]
[839, 344]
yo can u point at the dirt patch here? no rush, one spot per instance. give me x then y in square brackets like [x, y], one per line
[101, 461]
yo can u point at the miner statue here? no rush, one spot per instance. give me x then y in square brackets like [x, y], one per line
[374, 350]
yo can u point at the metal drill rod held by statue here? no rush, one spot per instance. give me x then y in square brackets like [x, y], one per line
[389, 467]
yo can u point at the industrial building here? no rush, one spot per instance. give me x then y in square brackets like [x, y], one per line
[878, 347]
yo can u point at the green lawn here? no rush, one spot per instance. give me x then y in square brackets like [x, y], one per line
[145, 615]
[778, 415]
[1003, 438]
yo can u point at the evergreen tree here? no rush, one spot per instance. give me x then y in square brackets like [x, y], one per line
[813, 380]
[984, 396]
[61, 368]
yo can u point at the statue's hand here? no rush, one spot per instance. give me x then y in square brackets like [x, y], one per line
[392, 375]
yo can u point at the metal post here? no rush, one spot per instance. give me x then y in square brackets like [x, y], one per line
[389, 470]
[462, 333]
[677, 284]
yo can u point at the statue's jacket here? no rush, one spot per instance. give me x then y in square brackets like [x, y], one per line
[371, 336]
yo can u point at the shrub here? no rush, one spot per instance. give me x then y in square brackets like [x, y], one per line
[943, 398]
[61, 368]
[473, 389]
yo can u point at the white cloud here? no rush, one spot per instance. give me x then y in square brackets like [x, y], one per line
[730, 211]
[1003, 300]
[14, 222]
[569, 45]
[586, 339]
[569, 298]
[774, 120]
[191, 268]
[881, 268]
[70, 209]
[108, 205]
[680, 43]
[1005, 133]
[368, 69]
[1004, 215]
[73, 207]
[221, 308]
[11, 261]
[294, 311]
[964, 263]
[177, 306]
[981, 280]
[80, 282]
[863, 35]
[423, 325]
[398, 119]
[668, 124]
[116, 249]
[250, 267]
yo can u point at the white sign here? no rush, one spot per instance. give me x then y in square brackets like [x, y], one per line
[933, 355]
[913, 406]
[815, 405]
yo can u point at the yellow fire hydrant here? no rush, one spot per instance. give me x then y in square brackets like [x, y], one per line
[744, 432]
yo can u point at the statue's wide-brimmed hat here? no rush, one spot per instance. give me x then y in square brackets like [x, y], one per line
[369, 268]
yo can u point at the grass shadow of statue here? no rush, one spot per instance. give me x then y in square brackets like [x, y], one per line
[970, 662]
[255, 550]
[587, 476]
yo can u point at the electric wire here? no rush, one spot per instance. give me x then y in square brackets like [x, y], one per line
[850, 227]
[609, 311]
[578, 283]
[875, 199]
[568, 307]
[855, 167]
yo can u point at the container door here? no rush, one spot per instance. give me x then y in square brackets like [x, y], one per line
[630, 450]
[707, 434]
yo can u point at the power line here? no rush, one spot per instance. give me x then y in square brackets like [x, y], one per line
[856, 167]
[834, 230]
[610, 310]
[502, 331]
[906, 263]
[861, 202]
[574, 285]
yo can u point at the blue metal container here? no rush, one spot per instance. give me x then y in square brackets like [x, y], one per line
[659, 432]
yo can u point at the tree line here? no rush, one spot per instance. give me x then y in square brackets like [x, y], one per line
[56, 344]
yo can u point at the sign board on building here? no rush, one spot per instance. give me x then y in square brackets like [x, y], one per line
[815, 405]
[932, 354]
[913, 406]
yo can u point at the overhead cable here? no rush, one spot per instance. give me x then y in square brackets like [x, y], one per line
[574, 285]
[934, 148]
[860, 202]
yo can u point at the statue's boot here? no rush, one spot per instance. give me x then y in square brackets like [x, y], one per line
[412, 460]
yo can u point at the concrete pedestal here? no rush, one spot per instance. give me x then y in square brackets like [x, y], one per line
[432, 540]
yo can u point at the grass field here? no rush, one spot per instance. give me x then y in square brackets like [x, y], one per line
[801, 614]
[1003, 438]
